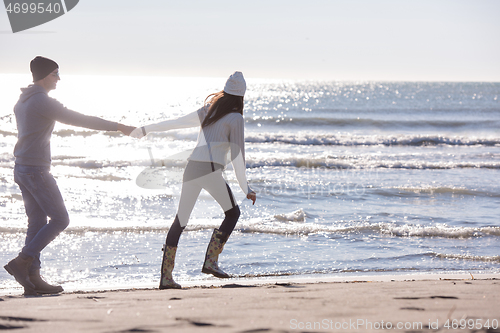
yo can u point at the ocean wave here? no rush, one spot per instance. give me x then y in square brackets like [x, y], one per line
[313, 139]
[372, 123]
[70, 132]
[7, 133]
[401, 190]
[107, 178]
[291, 226]
[93, 164]
[300, 228]
[84, 163]
[436, 231]
[384, 228]
[466, 257]
[360, 164]
[328, 271]
[64, 133]
[293, 161]
[296, 216]
[7, 157]
[296, 228]
[190, 134]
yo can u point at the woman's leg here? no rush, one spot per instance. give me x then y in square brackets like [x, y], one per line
[231, 218]
[220, 191]
[174, 233]
[189, 195]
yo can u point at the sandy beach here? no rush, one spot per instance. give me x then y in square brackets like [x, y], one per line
[420, 303]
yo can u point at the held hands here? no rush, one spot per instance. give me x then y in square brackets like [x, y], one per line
[138, 133]
[252, 196]
[125, 129]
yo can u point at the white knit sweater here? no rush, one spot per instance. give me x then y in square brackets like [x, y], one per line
[215, 141]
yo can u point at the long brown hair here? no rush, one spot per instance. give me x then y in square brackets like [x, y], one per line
[222, 103]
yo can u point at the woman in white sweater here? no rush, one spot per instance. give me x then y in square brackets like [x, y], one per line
[221, 134]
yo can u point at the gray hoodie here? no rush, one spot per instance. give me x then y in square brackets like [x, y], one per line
[36, 114]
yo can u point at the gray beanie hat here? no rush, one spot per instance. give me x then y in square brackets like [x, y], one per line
[236, 85]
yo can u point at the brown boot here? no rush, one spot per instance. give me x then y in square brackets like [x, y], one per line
[42, 287]
[167, 266]
[215, 247]
[19, 268]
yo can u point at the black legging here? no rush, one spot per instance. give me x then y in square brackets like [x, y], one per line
[227, 226]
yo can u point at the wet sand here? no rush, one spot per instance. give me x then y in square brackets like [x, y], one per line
[370, 304]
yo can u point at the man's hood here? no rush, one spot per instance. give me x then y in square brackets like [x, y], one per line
[31, 90]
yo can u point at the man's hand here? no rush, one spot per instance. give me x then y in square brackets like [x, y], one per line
[252, 196]
[125, 129]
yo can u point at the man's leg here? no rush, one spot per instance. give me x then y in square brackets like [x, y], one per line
[43, 188]
[37, 219]
[42, 198]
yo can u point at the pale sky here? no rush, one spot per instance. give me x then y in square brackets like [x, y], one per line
[421, 40]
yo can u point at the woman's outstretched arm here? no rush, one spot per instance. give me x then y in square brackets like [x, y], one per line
[192, 119]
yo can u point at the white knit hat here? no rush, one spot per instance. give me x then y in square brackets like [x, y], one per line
[236, 84]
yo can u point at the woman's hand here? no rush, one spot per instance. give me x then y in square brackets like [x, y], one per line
[137, 133]
[252, 196]
[125, 129]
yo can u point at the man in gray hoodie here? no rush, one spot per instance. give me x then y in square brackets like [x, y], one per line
[36, 114]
